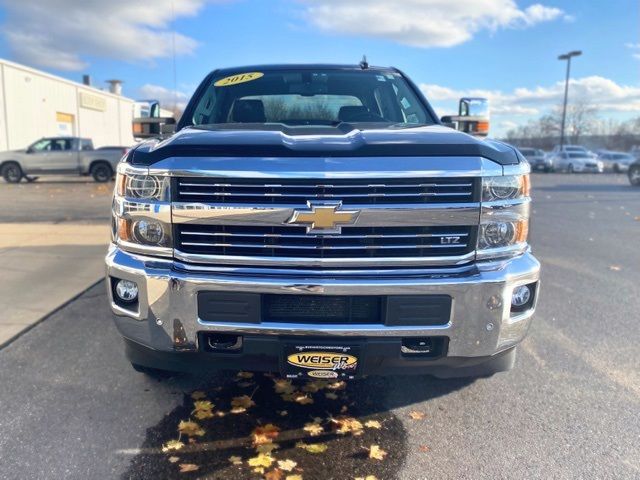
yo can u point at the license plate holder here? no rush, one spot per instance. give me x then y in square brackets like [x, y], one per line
[320, 360]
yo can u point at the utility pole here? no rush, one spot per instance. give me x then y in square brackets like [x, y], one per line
[567, 57]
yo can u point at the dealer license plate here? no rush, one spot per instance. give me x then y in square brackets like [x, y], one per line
[319, 360]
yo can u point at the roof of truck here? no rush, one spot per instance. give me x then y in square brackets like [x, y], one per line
[300, 66]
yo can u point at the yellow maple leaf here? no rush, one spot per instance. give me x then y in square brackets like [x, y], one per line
[267, 447]
[265, 434]
[313, 447]
[234, 459]
[293, 477]
[337, 385]
[287, 465]
[275, 474]
[344, 425]
[190, 428]
[172, 445]
[198, 395]
[331, 395]
[314, 386]
[262, 460]
[241, 403]
[173, 459]
[368, 477]
[303, 399]
[373, 424]
[244, 375]
[415, 415]
[282, 385]
[188, 467]
[376, 452]
[203, 409]
[314, 428]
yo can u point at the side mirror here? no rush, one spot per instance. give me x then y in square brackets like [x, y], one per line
[168, 128]
[473, 116]
[447, 121]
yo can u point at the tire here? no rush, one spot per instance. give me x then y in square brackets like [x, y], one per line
[11, 172]
[570, 168]
[634, 175]
[101, 172]
[154, 373]
[616, 168]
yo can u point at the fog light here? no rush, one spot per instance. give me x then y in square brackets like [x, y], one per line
[149, 232]
[127, 291]
[521, 296]
[498, 234]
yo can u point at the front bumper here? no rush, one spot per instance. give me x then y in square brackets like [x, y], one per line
[165, 323]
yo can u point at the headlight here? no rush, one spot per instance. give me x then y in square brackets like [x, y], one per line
[502, 234]
[143, 187]
[505, 188]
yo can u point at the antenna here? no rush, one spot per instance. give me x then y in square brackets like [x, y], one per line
[363, 63]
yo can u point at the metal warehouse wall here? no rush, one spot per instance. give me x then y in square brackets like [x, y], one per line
[34, 104]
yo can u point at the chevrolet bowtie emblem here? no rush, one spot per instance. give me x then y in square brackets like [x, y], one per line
[324, 218]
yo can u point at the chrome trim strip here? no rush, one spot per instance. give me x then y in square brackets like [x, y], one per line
[326, 167]
[319, 247]
[324, 185]
[330, 195]
[416, 215]
[323, 262]
[316, 236]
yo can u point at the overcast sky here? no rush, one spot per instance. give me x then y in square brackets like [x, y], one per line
[503, 49]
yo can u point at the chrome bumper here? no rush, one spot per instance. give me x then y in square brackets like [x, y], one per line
[166, 317]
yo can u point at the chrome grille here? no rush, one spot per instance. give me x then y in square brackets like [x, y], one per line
[358, 242]
[349, 191]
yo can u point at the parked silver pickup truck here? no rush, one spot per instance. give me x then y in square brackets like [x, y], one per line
[319, 221]
[61, 155]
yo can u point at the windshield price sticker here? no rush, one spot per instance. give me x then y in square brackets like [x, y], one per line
[238, 78]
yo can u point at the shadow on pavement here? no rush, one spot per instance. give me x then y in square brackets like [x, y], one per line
[325, 408]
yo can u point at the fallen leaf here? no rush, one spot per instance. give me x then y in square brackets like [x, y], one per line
[337, 385]
[198, 395]
[314, 386]
[343, 409]
[188, 467]
[293, 477]
[244, 375]
[262, 460]
[303, 399]
[190, 428]
[203, 409]
[376, 452]
[313, 447]
[246, 384]
[344, 425]
[283, 413]
[415, 415]
[287, 465]
[313, 428]
[234, 459]
[265, 434]
[282, 385]
[373, 424]
[241, 403]
[424, 448]
[267, 447]
[615, 268]
[368, 477]
[331, 395]
[275, 474]
[173, 459]
[172, 445]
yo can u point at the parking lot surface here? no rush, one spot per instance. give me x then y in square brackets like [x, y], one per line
[74, 408]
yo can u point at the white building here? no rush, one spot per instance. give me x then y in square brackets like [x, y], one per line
[35, 104]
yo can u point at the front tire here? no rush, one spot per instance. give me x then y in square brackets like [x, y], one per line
[634, 175]
[101, 172]
[11, 172]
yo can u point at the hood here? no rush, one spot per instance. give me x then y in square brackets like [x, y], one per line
[260, 140]
[9, 152]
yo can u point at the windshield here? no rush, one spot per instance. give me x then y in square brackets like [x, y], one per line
[310, 97]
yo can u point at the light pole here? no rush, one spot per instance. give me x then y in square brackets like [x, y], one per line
[567, 57]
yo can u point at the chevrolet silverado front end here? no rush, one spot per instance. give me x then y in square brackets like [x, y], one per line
[318, 221]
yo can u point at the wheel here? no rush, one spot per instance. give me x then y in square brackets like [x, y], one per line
[101, 172]
[616, 168]
[570, 168]
[155, 373]
[634, 175]
[11, 172]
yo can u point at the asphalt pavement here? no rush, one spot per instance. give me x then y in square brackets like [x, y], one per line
[72, 407]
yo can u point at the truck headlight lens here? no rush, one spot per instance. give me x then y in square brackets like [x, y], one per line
[502, 234]
[505, 188]
[142, 187]
[148, 232]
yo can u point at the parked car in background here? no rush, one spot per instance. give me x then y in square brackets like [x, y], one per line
[61, 155]
[537, 159]
[572, 149]
[616, 161]
[577, 162]
[635, 151]
[634, 173]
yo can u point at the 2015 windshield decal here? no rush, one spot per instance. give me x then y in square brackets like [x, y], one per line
[238, 78]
